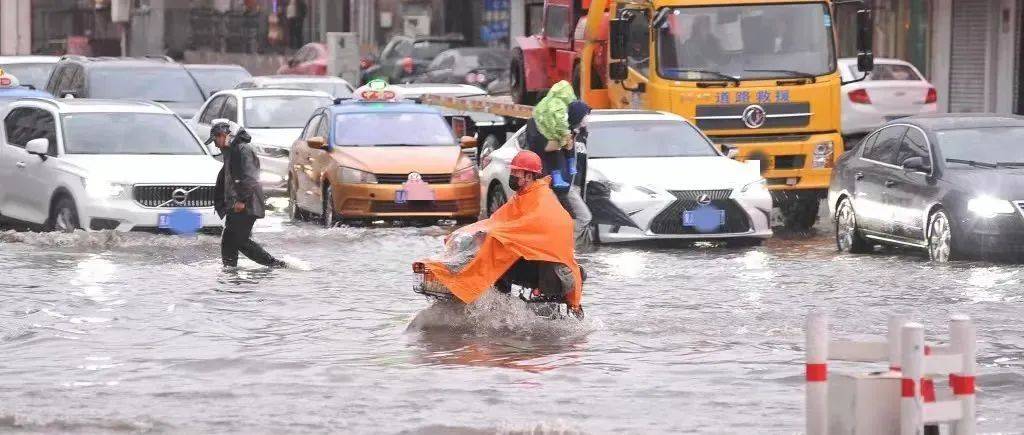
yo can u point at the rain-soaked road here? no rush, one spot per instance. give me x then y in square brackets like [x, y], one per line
[107, 332]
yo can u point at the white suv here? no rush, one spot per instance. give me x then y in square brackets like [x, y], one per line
[101, 165]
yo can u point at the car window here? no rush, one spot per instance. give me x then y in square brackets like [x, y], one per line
[914, 144]
[659, 139]
[392, 129]
[312, 126]
[15, 127]
[281, 111]
[557, 23]
[887, 145]
[26, 123]
[78, 80]
[866, 143]
[34, 74]
[230, 109]
[638, 52]
[213, 80]
[322, 129]
[888, 71]
[55, 76]
[67, 80]
[165, 134]
[117, 81]
[212, 110]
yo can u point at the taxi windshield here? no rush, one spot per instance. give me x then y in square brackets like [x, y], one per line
[745, 42]
[281, 111]
[660, 139]
[392, 129]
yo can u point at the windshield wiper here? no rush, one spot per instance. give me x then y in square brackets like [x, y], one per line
[722, 76]
[1009, 163]
[789, 72]
[973, 163]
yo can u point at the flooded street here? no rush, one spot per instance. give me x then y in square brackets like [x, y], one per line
[106, 332]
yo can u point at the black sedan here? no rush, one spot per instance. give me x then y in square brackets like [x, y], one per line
[951, 184]
[477, 66]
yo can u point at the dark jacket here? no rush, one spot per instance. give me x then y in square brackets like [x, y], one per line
[239, 180]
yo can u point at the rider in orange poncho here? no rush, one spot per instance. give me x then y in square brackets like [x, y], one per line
[532, 226]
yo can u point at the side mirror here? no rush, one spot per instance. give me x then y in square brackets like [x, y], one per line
[618, 71]
[916, 164]
[467, 142]
[865, 41]
[316, 142]
[39, 147]
[618, 39]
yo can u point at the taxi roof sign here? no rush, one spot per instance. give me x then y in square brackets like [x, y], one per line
[7, 80]
[377, 90]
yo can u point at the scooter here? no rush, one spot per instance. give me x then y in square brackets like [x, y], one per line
[545, 286]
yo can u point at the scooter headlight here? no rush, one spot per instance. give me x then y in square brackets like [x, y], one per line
[989, 207]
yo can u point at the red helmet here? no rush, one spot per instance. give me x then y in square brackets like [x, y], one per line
[527, 161]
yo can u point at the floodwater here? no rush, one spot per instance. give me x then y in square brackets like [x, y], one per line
[113, 332]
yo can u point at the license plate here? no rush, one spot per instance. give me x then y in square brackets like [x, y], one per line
[180, 221]
[704, 218]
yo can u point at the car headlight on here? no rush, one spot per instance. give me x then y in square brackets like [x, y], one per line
[271, 151]
[98, 188]
[466, 175]
[988, 207]
[355, 176]
[823, 153]
[755, 187]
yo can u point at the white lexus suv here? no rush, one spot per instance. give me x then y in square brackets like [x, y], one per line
[101, 165]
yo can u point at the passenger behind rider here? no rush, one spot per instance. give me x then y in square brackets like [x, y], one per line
[549, 134]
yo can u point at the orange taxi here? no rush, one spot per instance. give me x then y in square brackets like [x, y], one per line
[379, 157]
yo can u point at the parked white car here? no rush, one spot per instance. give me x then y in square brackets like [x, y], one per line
[653, 175]
[102, 165]
[895, 89]
[336, 86]
[273, 117]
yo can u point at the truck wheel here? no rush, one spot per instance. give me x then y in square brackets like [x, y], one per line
[518, 78]
[800, 213]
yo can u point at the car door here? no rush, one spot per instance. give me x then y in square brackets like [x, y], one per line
[207, 115]
[30, 178]
[877, 169]
[320, 160]
[302, 168]
[911, 193]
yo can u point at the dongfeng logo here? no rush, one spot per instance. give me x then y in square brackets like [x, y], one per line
[754, 116]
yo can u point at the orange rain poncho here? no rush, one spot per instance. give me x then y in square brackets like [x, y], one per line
[533, 226]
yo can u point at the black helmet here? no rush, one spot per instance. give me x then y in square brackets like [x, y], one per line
[225, 126]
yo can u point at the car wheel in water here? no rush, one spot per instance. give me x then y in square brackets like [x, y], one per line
[848, 238]
[329, 218]
[63, 216]
[295, 213]
[495, 199]
[940, 238]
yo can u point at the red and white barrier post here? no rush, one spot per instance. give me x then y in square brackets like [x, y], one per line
[817, 374]
[896, 322]
[963, 341]
[912, 364]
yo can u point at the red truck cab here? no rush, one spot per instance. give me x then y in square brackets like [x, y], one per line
[539, 61]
